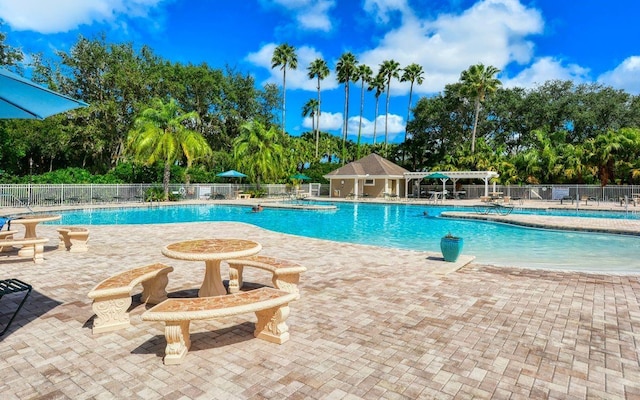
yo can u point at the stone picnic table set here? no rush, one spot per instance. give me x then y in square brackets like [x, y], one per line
[112, 297]
[31, 245]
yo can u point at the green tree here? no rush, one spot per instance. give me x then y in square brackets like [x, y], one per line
[363, 74]
[346, 69]
[319, 70]
[478, 82]
[115, 80]
[311, 109]
[607, 150]
[284, 56]
[389, 69]
[164, 133]
[259, 152]
[9, 55]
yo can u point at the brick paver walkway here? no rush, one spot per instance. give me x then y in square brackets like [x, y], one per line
[371, 323]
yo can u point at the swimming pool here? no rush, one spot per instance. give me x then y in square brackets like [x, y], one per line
[402, 226]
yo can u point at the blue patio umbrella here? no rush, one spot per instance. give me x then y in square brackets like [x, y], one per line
[24, 99]
[438, 175]
[232, 173]
[300, 177]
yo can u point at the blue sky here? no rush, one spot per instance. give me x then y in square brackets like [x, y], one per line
[530, 41]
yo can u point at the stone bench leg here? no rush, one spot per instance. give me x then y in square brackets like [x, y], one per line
[111, 313]
[287, 282]
[154, 291]
[38, 253]
[6, 236]
[235, 277]
[271, 325]
[178, 341]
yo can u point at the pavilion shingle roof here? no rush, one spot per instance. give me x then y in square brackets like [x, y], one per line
[372, 165]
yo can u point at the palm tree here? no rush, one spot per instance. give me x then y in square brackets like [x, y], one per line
[477, 82]
[363, 74]
[318, 69]
[604, 150]
[259, 152]
[160, 133]
[346, 71]
[284, 56]
[388, 69]
[377, 84]
[411, 73]
[310, 109]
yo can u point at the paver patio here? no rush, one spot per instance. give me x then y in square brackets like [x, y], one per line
[371, 323]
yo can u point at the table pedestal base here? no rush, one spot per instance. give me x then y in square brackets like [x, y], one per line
[212, 284]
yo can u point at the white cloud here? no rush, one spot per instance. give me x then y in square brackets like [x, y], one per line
[493, 32]
[395, 123]
[61, 16]
[310, 14]
[545, 69]
[328, 121]
[625, 76]
[297, 78]
[333, 122]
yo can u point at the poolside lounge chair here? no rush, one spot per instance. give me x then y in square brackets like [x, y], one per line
[8, 286]
[7, 221]
[493, 207]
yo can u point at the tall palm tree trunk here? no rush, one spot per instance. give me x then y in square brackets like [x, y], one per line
[345, 125]
[318, 122]
[475, 126]
[375, 121]
[284, 98]
[360, 124]
[406, 127]
[386, 120]
[165, 179]
[406, 131]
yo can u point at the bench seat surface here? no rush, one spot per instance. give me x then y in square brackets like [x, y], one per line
[128, 278]
[270, 263]
[9, 242]
[177, 309]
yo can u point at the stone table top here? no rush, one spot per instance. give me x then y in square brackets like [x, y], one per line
[211, 249]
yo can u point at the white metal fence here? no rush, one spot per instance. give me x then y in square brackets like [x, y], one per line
[612, 193]
[60, 194]
[30, 195]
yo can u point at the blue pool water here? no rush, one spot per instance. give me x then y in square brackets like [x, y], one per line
[404, 226]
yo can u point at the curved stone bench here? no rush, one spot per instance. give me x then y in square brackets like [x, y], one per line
[74, 239]
[271, 307]
[286, 274]
[37, 243]
[112, 296]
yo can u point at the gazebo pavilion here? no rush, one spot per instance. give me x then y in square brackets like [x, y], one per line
[453, 175]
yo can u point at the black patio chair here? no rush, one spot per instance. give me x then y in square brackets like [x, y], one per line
[8, 286]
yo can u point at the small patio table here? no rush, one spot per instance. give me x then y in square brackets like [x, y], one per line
[30, 222]
[211, 251]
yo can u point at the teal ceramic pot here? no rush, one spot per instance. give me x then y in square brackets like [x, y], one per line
[451, 248]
